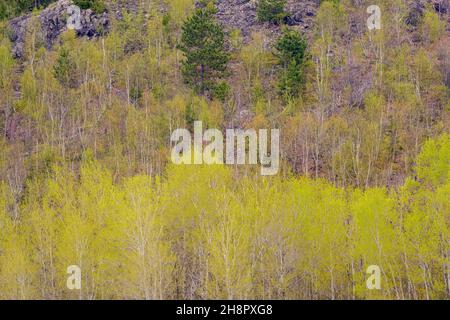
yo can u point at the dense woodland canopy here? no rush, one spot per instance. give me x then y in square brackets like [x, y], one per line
[86, 179]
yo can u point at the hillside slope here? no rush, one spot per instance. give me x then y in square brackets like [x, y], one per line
[87, 176]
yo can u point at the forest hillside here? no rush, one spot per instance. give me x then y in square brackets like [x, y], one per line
[89, 100]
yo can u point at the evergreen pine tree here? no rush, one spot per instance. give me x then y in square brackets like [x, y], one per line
[292, 55]
[271, 10]
[203, 44]
[64, 68]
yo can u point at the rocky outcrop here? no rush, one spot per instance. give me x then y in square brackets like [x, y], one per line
[232, 14]
[417, 9]
[241, 14]
[52, 21]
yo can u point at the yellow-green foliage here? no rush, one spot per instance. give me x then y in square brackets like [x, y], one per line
[199, 233]
[85, 140]
[432, 26]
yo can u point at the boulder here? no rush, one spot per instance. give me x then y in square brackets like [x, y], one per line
[52, 21]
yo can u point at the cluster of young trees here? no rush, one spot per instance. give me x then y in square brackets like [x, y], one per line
[352, 106]
[11, 8]
[200, 233]
[85, 140]
[370, 98]
[98, 6]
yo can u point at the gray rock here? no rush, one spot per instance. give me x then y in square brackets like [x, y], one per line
[53, 22]
[241, 14]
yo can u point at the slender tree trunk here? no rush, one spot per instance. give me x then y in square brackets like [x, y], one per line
[202, 73]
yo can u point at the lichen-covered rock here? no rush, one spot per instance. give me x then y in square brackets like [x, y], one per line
[241, 14]
[231, 14]
[52, 21]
